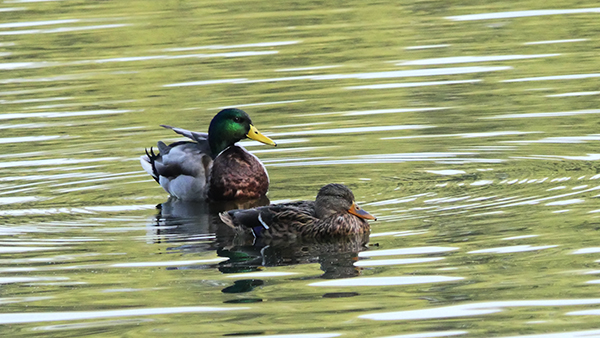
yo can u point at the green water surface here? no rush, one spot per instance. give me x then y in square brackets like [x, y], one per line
[473, 139]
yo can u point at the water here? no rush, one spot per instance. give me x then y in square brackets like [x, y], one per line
[469, 130]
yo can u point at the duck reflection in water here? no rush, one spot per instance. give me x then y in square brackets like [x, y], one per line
[330, 231]
[336, 256]
[196, 223]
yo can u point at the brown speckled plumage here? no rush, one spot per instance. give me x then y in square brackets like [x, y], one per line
[333, 214]
[237, 174]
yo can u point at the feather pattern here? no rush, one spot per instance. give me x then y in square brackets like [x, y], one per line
[327, 217]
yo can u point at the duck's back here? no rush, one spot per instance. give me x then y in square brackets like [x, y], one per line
[237, 174]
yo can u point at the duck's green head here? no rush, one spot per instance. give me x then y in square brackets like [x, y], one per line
[230, 126]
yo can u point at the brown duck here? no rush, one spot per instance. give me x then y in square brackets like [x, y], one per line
[333, 214]
[212, 166]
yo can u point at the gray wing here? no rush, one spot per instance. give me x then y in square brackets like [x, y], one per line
[181, 168]
[194, 135]
[182, 158]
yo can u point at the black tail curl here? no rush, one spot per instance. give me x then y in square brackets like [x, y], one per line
[152, 157]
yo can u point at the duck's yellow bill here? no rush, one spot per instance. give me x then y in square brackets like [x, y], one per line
[357, 211]
[257, 136]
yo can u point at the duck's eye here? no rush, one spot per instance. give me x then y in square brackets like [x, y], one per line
[237, 119]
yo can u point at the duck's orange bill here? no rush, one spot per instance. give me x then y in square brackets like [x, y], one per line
[357, 211]
[258, 136]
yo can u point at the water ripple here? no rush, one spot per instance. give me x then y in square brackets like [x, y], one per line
[18, 279]
[474, 309]
[257, 104]
[561, 139]
[54, 161]
[400, 261]
[552, 114]
[555, 77]
[470, 59]
[262, 274]
[444, 158]
[175, 57]
[63, 29]
[412, 84]
[521, 14]
[34, 317]
[300, 335]
[513, 249]
[426, 47]
[386, 281]
[407, 251]
[350, 130]
[168, 263]
[574, 94]
[303, 69]
[247, 45]
[20, 249]
[63, 114]
[12, 9]
[204, 83]
[518, 237]
[430, 334]
[36, 23]
[29, 139]
[546, 42]
[466, 135]
[356, 76]
[562, 334]
[586, 251]
[82, 210]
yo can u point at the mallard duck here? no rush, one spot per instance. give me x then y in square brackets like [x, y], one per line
[333, 214]
[213, 166]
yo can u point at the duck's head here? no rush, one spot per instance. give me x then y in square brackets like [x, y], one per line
[337, 198]
[230, 126]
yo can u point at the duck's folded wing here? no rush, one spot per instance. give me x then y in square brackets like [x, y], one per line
[249, 218]
[265, 218]
[182, 158]
[194, 135]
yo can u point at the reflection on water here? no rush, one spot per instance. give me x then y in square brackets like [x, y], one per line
[15, 318]
[471, 59]
[554, 41]
[520, 14]
[555, 77]
[471, 132]
[379, 281]
[468, 310]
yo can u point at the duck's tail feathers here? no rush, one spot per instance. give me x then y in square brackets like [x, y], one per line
[194, 135]
[227, 219]
[147, 162]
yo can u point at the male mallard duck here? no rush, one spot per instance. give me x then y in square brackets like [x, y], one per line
[213, 166]
[333, 214]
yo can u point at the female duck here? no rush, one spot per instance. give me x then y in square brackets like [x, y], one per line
[333, 214]
[212, 167]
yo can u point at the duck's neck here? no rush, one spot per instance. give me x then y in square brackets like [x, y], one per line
[221, 136]
[217, 145]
